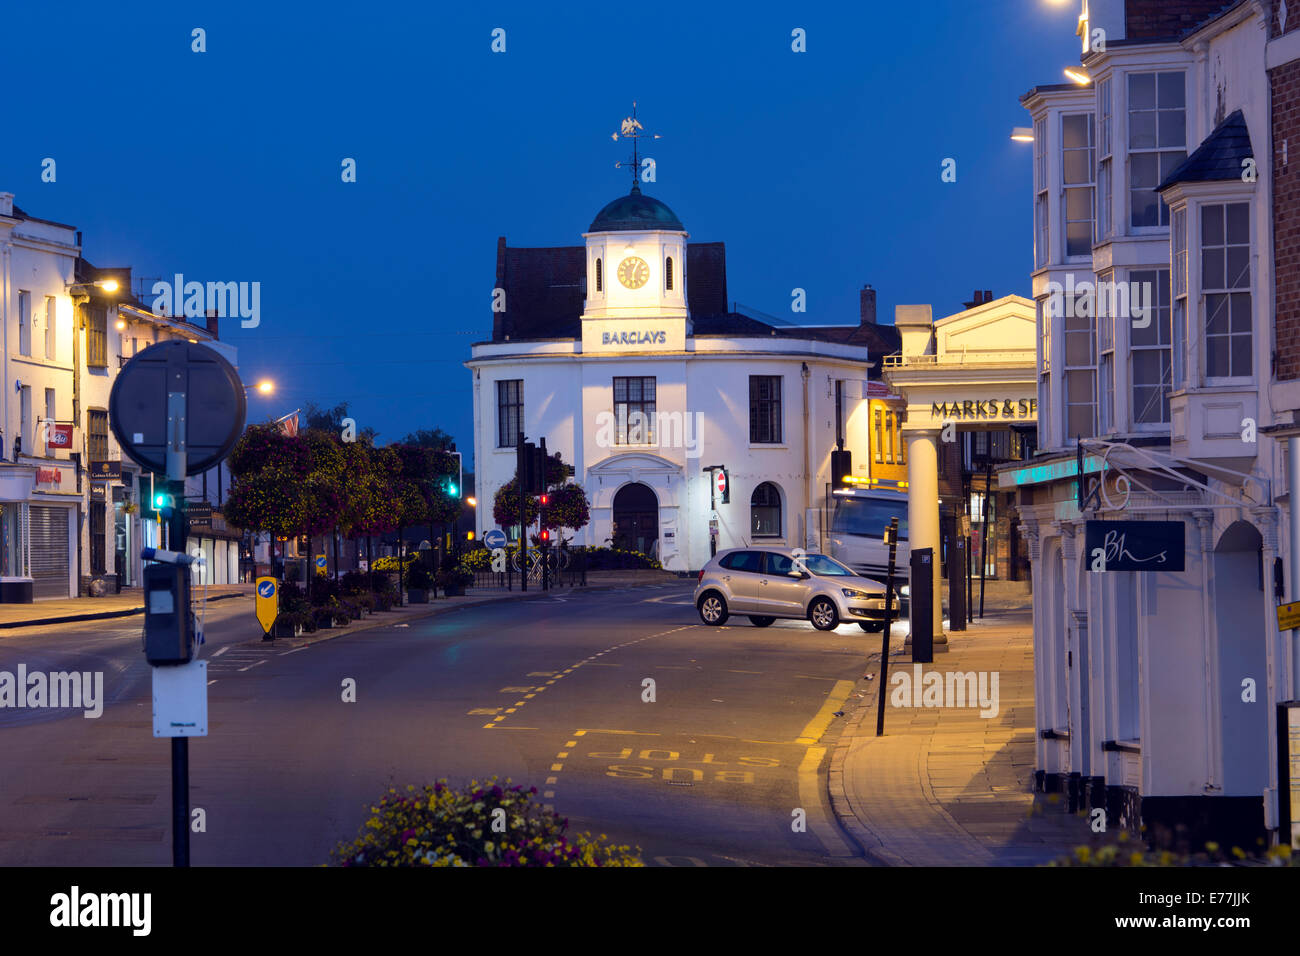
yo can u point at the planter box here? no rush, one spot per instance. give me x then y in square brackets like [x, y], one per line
[417, 596]
[454, 590]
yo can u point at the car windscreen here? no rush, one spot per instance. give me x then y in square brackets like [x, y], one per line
[868, 516]
[823, 566]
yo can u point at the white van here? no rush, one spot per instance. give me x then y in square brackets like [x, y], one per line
[859, 517]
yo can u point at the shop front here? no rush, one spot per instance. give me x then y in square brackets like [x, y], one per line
[38, 515]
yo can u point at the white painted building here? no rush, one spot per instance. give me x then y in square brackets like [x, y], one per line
[71, 509]
[1156, 691]
[636, 323]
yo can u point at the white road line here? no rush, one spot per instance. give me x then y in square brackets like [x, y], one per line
[294, 651]
[221, 650]
[251, 666]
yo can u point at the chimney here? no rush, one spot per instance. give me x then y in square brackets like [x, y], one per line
[867, 305]
[979, 298]
[6, 204]
[988, 295]
[212, 322]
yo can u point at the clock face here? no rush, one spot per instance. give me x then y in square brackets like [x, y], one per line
[633, 272]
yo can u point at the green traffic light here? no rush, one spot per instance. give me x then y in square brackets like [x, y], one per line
[453, 490]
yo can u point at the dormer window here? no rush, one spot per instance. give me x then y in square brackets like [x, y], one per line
[600, 284]
[668, 274]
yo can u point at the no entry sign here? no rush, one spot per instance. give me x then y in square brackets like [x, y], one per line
[720, 480]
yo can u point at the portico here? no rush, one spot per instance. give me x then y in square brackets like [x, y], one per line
[972, 371]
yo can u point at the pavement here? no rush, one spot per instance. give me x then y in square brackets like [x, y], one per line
[130, 601]
[945, 786]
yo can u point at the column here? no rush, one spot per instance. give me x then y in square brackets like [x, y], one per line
[923, 511]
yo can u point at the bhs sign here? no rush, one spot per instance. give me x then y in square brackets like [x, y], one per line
[1135, 545]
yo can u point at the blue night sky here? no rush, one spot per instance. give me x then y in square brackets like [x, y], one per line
[819, 170]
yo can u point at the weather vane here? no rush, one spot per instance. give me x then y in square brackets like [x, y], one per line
[633, 130]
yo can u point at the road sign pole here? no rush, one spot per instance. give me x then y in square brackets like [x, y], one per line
[149, 416]
[521, 477]
[180, 801]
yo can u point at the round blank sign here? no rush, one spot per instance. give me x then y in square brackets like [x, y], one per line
[214, 405]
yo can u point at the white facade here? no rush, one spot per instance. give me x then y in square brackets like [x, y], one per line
[63, 347]
[641, 329]
[1141, 701]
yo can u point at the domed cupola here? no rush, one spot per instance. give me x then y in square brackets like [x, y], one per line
[636, 212]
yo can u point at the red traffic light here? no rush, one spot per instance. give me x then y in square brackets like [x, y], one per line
[545, 499]
[546, 535]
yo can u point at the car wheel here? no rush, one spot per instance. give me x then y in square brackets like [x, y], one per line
[872, 627]
[713, 609]
[823, 614]
[759, 621]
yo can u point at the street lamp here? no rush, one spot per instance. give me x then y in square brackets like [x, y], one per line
[264, 387]
[107, 285]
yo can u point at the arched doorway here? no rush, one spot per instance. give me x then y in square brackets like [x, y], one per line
[636, 519]
[1239, 609]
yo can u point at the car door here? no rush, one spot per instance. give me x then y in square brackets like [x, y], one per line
[782, 595]
[742, 573]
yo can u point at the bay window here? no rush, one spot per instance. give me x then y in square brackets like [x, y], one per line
[1080, 369]
[1106, 348]
[1076, 176]
[1149, 349]
[1157, 142]
[1225, 290]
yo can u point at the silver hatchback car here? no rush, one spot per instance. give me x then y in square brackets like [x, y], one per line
[765, 584]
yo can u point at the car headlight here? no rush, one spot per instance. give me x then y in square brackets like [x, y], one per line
[850, 593]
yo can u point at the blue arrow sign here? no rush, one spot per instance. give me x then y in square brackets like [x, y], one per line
[266, 589]
[495, 538]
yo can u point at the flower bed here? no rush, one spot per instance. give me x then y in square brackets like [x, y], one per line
[477, 825]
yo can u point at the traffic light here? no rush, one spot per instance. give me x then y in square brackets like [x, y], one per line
[165, 496]
[841, 467]
[545, 535]
[545, 499]
[453, 489]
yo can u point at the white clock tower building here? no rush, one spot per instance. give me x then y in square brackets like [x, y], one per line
[636, 270]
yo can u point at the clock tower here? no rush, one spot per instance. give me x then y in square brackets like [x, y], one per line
[636, 273]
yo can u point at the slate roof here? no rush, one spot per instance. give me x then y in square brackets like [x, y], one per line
[545, 290]
[1217, 159]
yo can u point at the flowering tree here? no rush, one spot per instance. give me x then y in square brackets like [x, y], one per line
[567, 508]
[269, 471]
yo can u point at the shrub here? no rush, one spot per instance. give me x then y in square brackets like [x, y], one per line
[1127, 852]
[323, 590]
[420, 577]
[390, 563]
[353, 582]
[440, 825]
